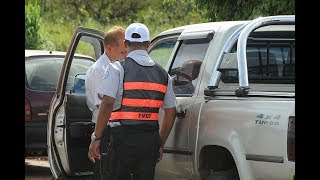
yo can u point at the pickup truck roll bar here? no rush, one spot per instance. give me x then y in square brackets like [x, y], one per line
[214, 80]
[241, 35]
[242, 46]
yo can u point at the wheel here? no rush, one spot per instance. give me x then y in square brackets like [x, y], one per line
[231, 174]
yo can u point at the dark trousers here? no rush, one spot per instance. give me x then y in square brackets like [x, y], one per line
[99, 167]
[135, 150]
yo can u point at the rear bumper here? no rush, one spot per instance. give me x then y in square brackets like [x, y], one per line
[35, 138]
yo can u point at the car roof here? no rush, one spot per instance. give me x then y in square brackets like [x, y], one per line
[30, 53]
[216, 26]
[206, 25]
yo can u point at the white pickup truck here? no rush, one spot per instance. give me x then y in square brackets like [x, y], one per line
[235, 86]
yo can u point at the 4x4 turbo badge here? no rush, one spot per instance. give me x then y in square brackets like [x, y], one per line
[266, 119]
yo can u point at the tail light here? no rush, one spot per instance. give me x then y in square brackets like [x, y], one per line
[27, 110]
[291, 139]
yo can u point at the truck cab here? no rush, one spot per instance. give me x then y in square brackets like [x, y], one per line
[235, 87]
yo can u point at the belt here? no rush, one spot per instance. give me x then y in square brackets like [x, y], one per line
[114, 124]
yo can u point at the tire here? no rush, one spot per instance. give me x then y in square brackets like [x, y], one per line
[231, 174]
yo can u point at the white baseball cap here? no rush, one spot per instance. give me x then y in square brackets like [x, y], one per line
[139, 30]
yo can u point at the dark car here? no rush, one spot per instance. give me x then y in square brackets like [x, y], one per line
[42, 71]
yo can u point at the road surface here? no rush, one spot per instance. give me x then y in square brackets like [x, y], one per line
[37, 168]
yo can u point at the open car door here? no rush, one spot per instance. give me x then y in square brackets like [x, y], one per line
[69, 122]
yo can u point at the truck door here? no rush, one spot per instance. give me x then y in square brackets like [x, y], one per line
[183, 65]
[70, 126]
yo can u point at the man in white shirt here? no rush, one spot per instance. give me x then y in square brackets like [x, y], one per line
[114, 50]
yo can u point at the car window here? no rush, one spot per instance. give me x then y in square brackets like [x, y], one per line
[270, 53]
[186, 66]
[270, 62]
[42, 74]
[161, 52]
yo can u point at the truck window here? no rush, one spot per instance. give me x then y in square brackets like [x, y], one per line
[161, 51]
[186, 66]
[268, 62]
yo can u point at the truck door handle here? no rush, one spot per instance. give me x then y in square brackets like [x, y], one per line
[181, 113]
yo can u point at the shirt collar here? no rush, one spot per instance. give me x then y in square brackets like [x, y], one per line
[105, 59]
[141, 57]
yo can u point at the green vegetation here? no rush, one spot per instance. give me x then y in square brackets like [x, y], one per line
[161, 56]
[32, 26]
[221, 10]
[50, 23]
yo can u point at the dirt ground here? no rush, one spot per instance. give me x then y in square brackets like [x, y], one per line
[37, 168]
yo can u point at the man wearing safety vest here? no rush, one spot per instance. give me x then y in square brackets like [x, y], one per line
[140, 87]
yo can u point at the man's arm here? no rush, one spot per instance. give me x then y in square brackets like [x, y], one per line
[103, 118]
[111, 76]
[167, 123]
[166, 126]
[169, 107]
[104, 114]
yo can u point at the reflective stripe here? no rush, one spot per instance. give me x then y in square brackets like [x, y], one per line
[134, 116]
[142, 102]
[145, 86]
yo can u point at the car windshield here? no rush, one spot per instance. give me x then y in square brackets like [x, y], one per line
[42, 73]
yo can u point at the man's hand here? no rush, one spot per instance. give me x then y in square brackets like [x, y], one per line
[94, 151]
[160, 154]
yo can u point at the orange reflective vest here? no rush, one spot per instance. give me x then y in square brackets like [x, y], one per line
[144, 88]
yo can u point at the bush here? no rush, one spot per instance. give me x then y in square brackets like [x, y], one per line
[32, 26]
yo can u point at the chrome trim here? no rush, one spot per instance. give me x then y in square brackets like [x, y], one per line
[275, 159]
[242, 43]
[177, 151]
[215, 76]
[259, 94]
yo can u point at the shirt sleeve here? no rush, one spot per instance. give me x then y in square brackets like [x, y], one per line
[96, 79]
[169, 98]
[93, 81]
[110, 81]
[89, 90]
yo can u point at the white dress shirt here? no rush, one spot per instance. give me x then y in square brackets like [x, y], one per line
[93, 81]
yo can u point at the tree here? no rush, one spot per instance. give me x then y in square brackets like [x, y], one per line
[227, 10]
[102, 11]
[32, 26]
[223, 10]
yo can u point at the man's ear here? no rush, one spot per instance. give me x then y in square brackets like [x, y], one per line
[125, 44]
[148, 44]
[108, 47]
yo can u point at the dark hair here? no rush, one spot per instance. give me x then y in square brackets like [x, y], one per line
[143, 44]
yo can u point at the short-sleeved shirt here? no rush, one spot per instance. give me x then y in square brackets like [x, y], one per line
[114, 75]
[93, 81]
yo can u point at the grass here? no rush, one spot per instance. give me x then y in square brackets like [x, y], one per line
[59, 34]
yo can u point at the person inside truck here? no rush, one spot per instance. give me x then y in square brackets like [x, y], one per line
[185, 78]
